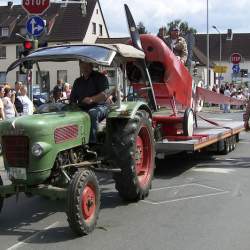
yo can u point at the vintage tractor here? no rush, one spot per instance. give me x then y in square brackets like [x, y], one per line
[48, 154]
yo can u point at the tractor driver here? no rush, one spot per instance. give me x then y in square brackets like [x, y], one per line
[90, 93]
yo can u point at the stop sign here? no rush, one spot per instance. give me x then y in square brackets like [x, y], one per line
[235, 58]
[35, 7]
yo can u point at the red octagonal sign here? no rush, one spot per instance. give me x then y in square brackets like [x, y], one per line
[35, 7]
[235, 58]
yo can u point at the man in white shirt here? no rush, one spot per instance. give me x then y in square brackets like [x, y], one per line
[26, 102]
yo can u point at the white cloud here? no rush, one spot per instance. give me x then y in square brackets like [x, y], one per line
[155, 13]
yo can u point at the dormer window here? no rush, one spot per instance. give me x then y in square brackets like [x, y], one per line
[5, 32]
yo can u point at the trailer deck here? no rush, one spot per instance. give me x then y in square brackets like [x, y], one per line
[205, 134]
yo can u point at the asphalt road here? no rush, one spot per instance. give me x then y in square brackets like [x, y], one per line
[197, 202]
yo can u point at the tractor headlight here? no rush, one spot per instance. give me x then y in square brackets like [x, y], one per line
[37, 150]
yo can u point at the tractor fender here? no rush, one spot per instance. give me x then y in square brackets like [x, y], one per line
[128, 110]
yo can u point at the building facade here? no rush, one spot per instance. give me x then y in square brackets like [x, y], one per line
[71, 23]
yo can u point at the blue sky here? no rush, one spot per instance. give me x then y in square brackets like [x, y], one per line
[156, 13]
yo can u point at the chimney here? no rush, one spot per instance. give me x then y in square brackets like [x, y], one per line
[10, 4]
[229, 35]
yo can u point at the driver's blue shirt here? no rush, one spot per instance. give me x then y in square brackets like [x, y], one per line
[95, 84]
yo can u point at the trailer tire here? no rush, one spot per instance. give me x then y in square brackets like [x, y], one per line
[234, 142]
[83, 202]
[133, 149]
[1, 198]
[226, 149]
[188, 122]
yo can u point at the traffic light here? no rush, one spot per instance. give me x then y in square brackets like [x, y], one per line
[28, 46]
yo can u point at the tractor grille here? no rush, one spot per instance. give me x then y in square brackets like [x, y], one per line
[16, 150]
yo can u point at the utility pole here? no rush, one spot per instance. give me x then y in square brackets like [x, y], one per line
[207, 48]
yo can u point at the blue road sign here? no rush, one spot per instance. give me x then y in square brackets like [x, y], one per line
[236, 68]
[35, 26]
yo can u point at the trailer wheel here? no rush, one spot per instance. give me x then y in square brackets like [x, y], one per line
[134, 151]
[1, 198]
[234, 142]
[226, 149]
[188, 122]
[83, 202]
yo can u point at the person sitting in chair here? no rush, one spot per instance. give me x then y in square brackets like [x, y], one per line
[90, 93]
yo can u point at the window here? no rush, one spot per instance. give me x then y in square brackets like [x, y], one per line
[2, 52]
[2, 77]
[62, 75]
[43, 81]
[94, 28]
[20, 77]
[97, 11]
[5, 31]
[100, 29]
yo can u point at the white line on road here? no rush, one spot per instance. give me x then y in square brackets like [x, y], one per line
[20, 244]
[182, 199]
[219, 119]
[214, 170]
[185, 185]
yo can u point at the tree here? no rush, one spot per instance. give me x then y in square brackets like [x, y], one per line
[141, 28]
[183, 26]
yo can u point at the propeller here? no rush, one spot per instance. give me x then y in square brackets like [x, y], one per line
[136, 41]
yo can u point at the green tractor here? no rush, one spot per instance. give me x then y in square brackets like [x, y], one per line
[48, 154]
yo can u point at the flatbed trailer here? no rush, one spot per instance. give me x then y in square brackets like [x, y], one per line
[220, 138]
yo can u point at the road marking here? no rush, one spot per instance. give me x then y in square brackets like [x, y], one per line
[244, 142]
[219, 119]
[185, 185]
[214, 170]
[25, 241]
[218, 192]
[185, 198]
[226, 159]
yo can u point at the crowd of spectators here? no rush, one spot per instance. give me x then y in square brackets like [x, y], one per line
[230, 90]
[61, 91]
[14, 102]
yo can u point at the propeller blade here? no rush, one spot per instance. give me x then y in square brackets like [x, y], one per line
[135, 36]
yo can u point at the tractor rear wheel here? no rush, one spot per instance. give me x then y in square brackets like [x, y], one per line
[1, 198]
[134, 151]
[83, 202]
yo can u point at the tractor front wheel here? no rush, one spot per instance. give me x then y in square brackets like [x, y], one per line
[83, 202]
[1, 198]
[134, 151]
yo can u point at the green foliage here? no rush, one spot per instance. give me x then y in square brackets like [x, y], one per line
[141, 28]
[183, 26]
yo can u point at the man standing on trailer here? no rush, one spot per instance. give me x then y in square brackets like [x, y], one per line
[176, 43]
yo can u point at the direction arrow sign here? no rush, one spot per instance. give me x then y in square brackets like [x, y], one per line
[236, 68]
[35, 26]
[35, 7]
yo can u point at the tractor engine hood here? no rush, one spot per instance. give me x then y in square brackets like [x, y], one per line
[43, 124]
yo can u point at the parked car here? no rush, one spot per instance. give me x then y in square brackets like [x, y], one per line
[39, 97]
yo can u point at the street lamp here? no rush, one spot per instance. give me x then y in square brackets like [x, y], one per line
[220, 49]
